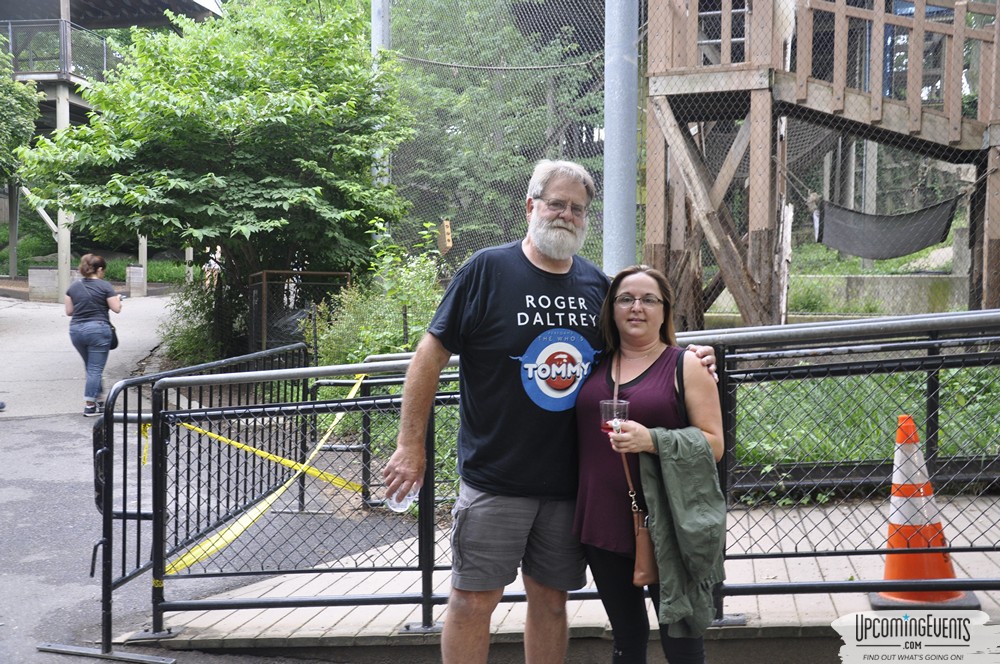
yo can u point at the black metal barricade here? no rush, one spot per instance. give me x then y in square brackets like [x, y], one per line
[811, 414]
[124, 467]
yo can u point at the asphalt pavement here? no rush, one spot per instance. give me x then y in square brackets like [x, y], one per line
[48, 522]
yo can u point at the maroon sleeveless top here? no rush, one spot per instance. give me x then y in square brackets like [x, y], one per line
[603, 510]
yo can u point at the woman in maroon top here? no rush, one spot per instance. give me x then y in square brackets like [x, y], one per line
[641, 354]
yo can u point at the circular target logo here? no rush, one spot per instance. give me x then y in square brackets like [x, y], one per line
[560, 366]
[554, 366]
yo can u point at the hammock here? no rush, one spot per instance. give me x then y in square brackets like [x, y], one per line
[880, 236]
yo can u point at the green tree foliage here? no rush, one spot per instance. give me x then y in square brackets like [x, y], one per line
[512, 97]
[257, 132]
[18, 111]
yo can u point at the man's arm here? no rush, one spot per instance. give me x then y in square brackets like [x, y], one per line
[407, 463]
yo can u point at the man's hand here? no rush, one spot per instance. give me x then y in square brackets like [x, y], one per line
[405, 469]
[706, 354]
[407, 463]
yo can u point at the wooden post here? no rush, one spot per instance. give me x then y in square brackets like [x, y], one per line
[658, 45]
[986, 256]
[915, 67]
[741, 284]
[991, 234]
[762, 221]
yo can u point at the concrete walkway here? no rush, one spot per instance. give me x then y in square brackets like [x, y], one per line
[48, 520]
[40, 371]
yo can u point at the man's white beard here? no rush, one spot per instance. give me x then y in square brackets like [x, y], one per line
[551, 240]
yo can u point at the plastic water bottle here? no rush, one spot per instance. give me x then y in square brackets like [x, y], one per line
[404, 504]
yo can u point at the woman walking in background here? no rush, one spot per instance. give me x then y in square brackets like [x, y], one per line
[87, 302]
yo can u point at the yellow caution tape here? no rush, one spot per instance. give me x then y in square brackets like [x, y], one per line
[229, 534]
[144, 432]
[288, 463]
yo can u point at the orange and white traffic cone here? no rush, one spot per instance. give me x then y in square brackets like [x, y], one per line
[915, 523]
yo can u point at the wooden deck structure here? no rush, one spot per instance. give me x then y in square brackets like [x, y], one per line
[764, 616]
[837, 64]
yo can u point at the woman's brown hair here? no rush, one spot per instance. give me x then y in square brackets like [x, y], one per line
[612, 339]
[91, 263]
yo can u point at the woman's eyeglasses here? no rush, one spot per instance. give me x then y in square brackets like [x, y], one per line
[647, 302]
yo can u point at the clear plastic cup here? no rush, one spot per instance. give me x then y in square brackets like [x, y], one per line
[404, 504]
[613, 413]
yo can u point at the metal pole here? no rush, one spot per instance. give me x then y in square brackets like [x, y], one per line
[63, 236]
[159, 433]
[621, 104]
[425, 528]
[381, 38]
[13, 211]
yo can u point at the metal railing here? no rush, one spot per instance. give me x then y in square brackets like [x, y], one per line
[810, 418]
[126, 460]
[270, 480]
[54, 48]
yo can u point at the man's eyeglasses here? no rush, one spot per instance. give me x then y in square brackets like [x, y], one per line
[559, 206]
[647, 302]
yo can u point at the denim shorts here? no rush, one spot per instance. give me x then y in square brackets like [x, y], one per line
[492, 536]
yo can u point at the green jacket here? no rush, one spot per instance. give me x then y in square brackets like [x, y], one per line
[687, 521]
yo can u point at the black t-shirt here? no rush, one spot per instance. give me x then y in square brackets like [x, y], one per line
[526, 340]
[90, 299]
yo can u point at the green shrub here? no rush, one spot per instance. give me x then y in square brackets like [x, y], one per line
[40, 251]
[387, 314]
[810, 298]
[866, 306]
[364, 319]
[157, 272]
[187, 331]
[169, 272]
[28, 247]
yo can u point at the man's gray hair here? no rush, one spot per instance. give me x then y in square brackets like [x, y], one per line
[547, 169]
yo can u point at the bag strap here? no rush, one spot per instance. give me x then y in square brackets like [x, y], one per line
[628, 473]
[631, 487]
[90, 292]
[681, 405]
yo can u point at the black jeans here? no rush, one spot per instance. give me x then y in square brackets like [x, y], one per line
[626, 609]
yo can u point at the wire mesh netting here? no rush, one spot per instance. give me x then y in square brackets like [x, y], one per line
[815, 459]
[494, 87]
[840, 139]
[297, 487]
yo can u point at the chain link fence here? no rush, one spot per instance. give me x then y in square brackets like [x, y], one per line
[815, 422]
[300, 484]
